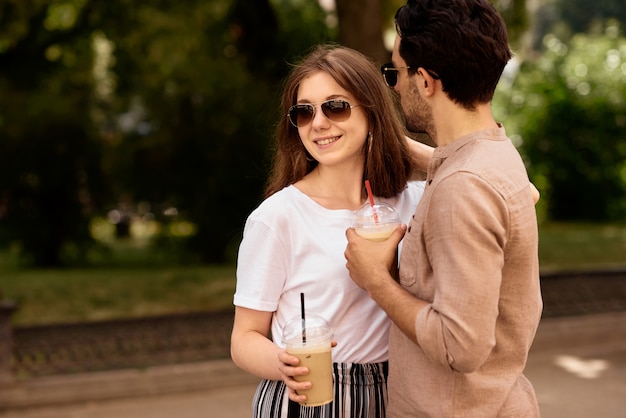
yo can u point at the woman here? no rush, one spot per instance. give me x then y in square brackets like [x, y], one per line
[340, 128]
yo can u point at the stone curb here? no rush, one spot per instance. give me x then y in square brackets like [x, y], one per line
[67, 389]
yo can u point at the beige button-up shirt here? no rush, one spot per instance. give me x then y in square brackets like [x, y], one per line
[472, 251]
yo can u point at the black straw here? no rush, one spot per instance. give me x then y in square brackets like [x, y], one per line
[302, 315]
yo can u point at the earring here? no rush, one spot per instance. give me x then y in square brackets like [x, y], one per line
[369, 139]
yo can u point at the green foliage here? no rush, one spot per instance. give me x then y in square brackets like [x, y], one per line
[174, 102]
[168, 104]
[61, 296]
[514, 13]
[585, 15]
[566, 18]
[50, 178]
[569, 109]
[203, 102]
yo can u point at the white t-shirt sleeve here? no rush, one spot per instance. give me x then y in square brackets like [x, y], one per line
[261, 265]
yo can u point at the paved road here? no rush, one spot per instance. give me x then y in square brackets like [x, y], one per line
[577, 365]
[581, 376]
[226, 402]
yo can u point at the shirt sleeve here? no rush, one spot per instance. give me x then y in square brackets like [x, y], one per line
[465, 232]
[261, 265]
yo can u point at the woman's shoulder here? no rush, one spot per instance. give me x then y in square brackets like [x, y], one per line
[282, 208]
[276, 204]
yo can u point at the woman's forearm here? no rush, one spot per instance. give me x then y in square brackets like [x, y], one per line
[256, 354]
[421, 153]
[250, 347]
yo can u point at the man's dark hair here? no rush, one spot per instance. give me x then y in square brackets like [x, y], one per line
[463, 42]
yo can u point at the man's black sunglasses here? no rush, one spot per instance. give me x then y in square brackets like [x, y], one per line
[390, 74]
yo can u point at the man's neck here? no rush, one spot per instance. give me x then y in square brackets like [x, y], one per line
[453, 122]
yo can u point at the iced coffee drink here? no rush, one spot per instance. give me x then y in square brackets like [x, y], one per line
[310, 341]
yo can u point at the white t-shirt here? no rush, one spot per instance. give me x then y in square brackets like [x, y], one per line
[291, 244]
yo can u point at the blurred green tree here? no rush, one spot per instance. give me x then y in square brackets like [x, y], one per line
[515, 14]
[201, 99]
[569, 109]
[50, 177]
[174, 102]
[565, 18]
[589, 16]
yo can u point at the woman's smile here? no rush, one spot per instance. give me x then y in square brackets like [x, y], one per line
[326, 140]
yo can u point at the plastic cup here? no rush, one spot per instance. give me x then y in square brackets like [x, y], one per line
[313, 348]
[375, 223]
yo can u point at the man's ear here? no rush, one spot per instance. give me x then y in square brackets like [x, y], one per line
[427, 82]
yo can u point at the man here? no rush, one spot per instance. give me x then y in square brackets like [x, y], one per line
[467, 303]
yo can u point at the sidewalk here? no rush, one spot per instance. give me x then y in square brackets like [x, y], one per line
[577, 365]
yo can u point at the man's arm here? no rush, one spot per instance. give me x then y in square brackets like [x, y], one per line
[370, 264]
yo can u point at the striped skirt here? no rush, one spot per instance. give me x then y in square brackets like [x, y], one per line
[360, 392]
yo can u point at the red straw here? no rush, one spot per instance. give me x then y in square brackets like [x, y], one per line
[370, 196]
